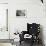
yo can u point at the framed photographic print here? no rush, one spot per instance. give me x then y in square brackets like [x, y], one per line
[20, 13]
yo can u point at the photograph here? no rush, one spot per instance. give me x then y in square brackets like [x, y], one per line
[20, 13]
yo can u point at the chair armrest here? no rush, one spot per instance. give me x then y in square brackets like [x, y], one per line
[24, 32]
[22, 35]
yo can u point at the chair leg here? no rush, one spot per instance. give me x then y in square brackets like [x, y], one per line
[32, 42]
[20, 42]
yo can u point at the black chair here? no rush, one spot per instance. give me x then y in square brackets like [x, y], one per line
[32, 29]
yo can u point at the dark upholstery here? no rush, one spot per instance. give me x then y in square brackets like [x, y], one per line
[32, 29]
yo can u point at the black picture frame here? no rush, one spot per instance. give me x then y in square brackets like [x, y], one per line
[20, 13]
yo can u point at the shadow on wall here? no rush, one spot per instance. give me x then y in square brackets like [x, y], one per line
[41, 34]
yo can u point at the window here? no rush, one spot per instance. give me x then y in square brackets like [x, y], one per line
[3, 17]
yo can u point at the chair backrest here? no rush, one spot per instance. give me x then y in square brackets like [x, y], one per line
[33, 28]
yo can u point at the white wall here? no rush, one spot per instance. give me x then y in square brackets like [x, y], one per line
[3, 1]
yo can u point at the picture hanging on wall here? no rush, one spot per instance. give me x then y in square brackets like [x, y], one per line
[20, 13]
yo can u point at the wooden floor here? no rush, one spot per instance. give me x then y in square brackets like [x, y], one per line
[6, 40]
